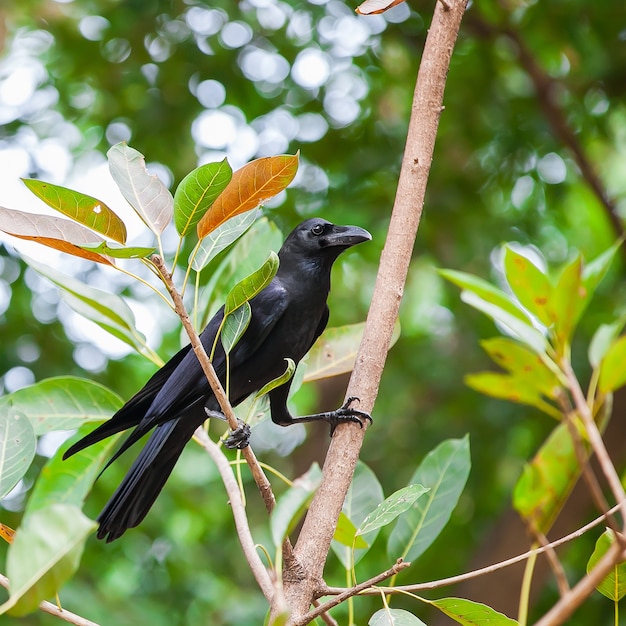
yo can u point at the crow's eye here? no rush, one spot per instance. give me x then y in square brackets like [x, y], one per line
[318, 229]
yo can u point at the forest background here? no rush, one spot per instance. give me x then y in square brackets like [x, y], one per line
[530, 150]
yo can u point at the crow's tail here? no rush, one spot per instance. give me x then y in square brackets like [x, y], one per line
[142, 484]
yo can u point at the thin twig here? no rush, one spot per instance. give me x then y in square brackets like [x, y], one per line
[352, 591]
[257, 472]
[555, 564]
[239, 513]
[589, 477]
[595, 439]
[489, 569]
[53, 609]
[572, 600]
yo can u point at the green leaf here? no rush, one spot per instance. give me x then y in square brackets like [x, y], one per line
[246, 256]
[596, 270]
[566, 303]
[69, 481]
[17, 447]
[277, 382]
[63, 403]
[345, 533]
[614, 585]
[219, 239]
[291, 505]
[45, 552]
[547, 480]
[107, 310]
[471, 613]
[524, 364]
[602, 340]
[197, 192]
[511, 388]
[118, 251]
[235, 325]
[364, 495]
[394, 617]
[613, 367]
[393, 506]
[250, 286]
[525, 333]
[145, 192]
[444, 471]
[82, 208]
[529, 284]
[487, 292]
[335, 350]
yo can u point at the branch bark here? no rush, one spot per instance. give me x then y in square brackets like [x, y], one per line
[53, 609]
[314, 540]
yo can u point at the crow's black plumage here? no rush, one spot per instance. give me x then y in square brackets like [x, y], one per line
[287, 317]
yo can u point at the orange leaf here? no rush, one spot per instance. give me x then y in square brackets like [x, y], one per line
[249, 187]
[50, 231]
[6, 533]
[372, 7]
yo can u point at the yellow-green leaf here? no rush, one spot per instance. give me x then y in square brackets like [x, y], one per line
[547, 480]
[82, 208]
[249, 187]
[614, 585]
[613, 367]
[529, 284]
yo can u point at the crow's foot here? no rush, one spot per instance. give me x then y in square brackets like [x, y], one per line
[237, 439]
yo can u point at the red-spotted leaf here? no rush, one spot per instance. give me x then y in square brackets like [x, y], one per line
[50, 231]
[487, 292]
[566, 304]
[145, 192]
[529, 284]
[547, 480]
[82, 208]
[249, 187]
[197, 193]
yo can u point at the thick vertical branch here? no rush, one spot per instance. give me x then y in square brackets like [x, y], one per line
[314, 541]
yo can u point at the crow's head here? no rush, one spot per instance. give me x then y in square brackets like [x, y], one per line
[317, 238]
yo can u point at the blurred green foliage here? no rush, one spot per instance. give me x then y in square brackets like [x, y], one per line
[109, 70]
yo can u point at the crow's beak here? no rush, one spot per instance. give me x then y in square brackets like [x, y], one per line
[346, 236]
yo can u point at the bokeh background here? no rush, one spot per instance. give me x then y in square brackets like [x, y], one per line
[531, 148]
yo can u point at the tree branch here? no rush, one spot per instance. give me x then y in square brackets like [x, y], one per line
[453, 580]
[53, 609]
[257, 472]
[352, 591]
[314, 540]
[239, 513]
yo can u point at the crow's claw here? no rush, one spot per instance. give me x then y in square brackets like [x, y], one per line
[238, 438]
[346, 414]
